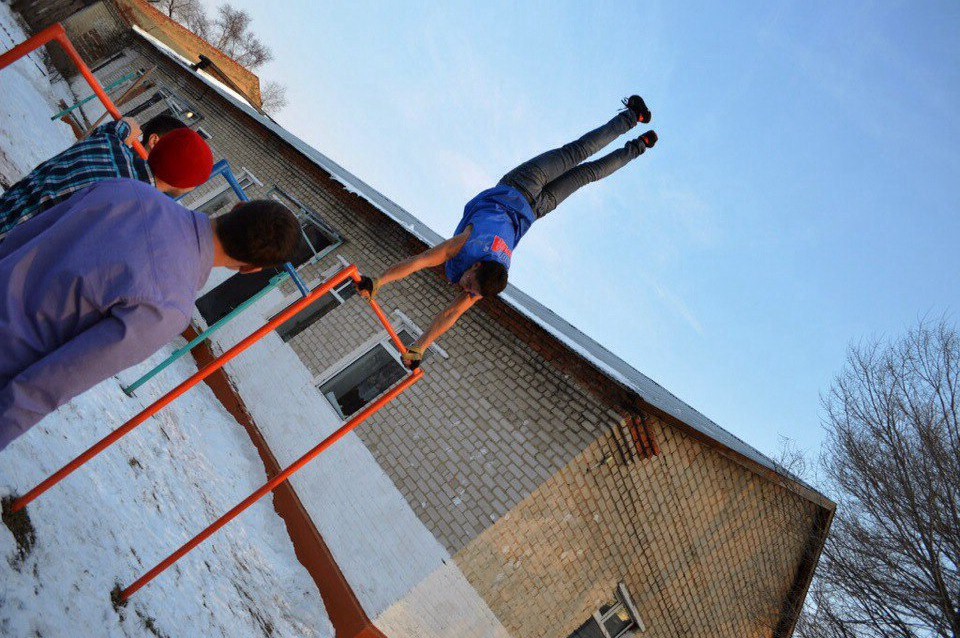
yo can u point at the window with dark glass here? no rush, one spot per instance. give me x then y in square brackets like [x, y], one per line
[612, 620]
[315, 311]
[224, 198]
[317, 239]
[165, 102]
[372, 374]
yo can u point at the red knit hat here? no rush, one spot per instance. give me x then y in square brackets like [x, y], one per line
[181, 158]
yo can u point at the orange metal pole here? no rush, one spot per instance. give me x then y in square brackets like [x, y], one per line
[57, 32]
[30, 45]
[383, 319]
[386, 324]
[181, 389]
[271, 485]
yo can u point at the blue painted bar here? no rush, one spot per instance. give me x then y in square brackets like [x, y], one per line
[296, 279]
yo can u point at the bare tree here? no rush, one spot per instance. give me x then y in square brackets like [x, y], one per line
[273, 96]
[189, 13]
[230, 32]
[890, 566]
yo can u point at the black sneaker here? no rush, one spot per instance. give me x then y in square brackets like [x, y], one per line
[645, 141]
[636, 104]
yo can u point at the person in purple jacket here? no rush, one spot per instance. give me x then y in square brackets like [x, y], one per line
[99, 282]
[478, 255]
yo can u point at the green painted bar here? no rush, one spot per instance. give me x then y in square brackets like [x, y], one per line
[203, 336]
[76, 105]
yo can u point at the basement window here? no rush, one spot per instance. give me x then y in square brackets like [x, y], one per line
[165, 102]
[223, 198]
[317, 233]
[371, 374]
[615, 619]
[316, 311]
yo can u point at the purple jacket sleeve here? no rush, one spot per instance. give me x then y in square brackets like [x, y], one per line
[127, 336]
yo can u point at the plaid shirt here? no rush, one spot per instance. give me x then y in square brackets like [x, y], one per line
[103, 155]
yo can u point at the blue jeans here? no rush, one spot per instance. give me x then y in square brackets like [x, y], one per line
[550, 178]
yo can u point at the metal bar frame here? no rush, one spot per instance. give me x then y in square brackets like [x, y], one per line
[271, 485]
[56, 33]
[223, 168]
[274, 282]
[79, 103]
[350, 272]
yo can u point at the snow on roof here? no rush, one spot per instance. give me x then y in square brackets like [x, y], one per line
[220, 86]
[607, 362]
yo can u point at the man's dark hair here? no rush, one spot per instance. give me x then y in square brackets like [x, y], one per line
[160, 125]
[261, 232]
[492, 277]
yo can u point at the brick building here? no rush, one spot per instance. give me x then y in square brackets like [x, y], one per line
[567, 494]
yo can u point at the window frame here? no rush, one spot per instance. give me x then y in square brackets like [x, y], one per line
[170, 101]
[622, 601]
[601, 619]
[379, 339]
[305, 214]
[289, 300]
[245, 174]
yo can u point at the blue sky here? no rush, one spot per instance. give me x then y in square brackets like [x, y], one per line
[804, 194]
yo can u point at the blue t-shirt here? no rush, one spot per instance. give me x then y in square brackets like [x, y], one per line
[500, 216]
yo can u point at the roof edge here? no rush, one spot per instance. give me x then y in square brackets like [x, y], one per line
[793, 603]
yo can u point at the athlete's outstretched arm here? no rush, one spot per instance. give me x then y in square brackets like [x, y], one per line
[441, 323]
[439, 254]
[429, 258]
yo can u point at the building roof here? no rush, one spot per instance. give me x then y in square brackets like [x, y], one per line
[611, 365]
[190, 46]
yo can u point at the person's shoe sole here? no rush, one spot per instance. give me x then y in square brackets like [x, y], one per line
[639, 108]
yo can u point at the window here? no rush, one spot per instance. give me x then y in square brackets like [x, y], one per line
[315, 311]
[319, 238]
[95, 69]
[612, 620]
[361, 382]
[615, 619]
[156, 98]
[169, 104]
[223, 198]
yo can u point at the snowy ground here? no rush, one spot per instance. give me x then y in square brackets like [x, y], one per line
[126, 510]
[130, 507]
[27, 100]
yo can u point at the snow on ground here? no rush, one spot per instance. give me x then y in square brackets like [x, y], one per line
[129, 508]
[344, 490]
[27, 100]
